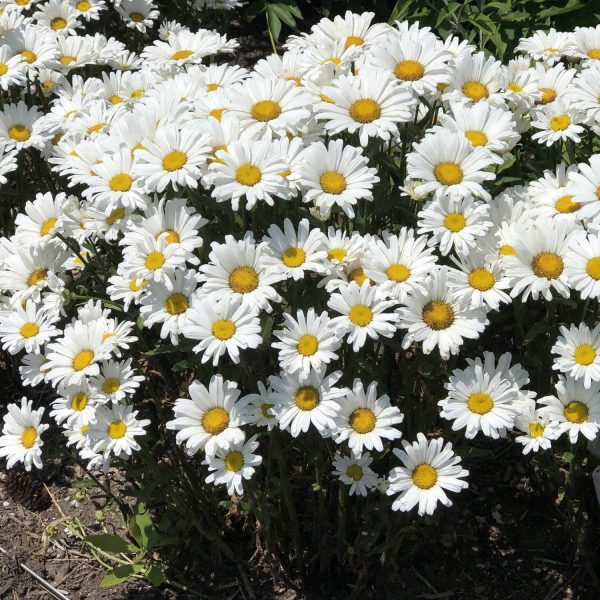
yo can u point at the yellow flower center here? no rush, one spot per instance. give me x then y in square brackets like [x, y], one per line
[333, 59]
[243, 280]
[481, 279]
[82, 360]
[507, 250]
[438, 315]
[336, 254]
[548, 265]
[365, 110]
[448, 173]
[120, 182]
[475, 90]
[29, 329]
[83, 6]
[181, 54]
[477, 138]
[28, 56]
[360, 315]
[117, 430]
[353, 40]
[66, 60]
[115, 215]
[455, 222]
[58, 23]
[115, 99]
[560, 122]
[223, 329]
[566, 205]
[585, 354]
[79, 401]
[215, 420]
[137, 17]
[332, 182]
[576, 412]
[594, 53]
[111, 385]
[217, 113]
[154, 260]
[174, 160]
[37, 276]
[28, 437]
[424, 476]
[398, 272]
[19, 133]
[176, 304]
[354, 472]
[480, 403]
[47, 226]
[358, 275]
[326, 99]
[248, 174]
[362, 420]
[409, 70]
[134, 286]
[548, 95]
[211, 87]
[265, 409]
[536, 429]
[593, 267]
[137, 93]
[306, 398]
[307, 345]
[515, 87]
[293, 257]
[95, 128]
[265, 110]
[234, 461]
[3, 69]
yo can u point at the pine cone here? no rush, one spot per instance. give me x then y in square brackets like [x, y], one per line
[26, 489]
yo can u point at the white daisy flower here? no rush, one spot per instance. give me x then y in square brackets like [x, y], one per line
[355, 472]
[42, 218]
[364, 419]
[578, 350]
[115, 382]
[428, 469]
[548, 46]
[258, 408]
[584, 186]
[138, 14]
[183, 47]
[90, 10]
[582, 265]
[558, 121]
[21, 439]
[210, 419]
[575, 408]
[232, 466]
[554, 81]
[223, 326]
[12, 68]
[59, 16]
[363, 311]
[307, 342]
[23, 127]
[538, 431]
[75, 404]
[26, 328]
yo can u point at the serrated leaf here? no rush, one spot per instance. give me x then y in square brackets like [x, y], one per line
[110, 543]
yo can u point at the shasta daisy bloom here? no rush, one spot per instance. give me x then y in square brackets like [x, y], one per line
[584, 93]
[474, 79]
[37, 46]
[365, 419]
[12, 68]
[138, 14]
[429, 468]
[126, 289]
[549, 195]
[307, 342]
[363, 311]
[232, 466]
[26, 327]
[578, 350]
[258, 408]
[584, 186]
[21, 439]
[538, 267]
[435, 316]
[480, 398]
[75, 356]
[398, 263]
[74, 51]
[116, 429]
[537, 430]
[335, 175]
[223, 326]
[548, 46]
[33, 369]
[355, 472]
[273, 106]
[554, 81]
[342, 249]
[289, 253]
[115, 382]
[23, 127]
[479, 279]
[237, 269]
[174, 157]
[74, 404]
[59, 16]
[41, 218]
[587, 42]
[558, 121]
[90, 10]
[582, 265]
[251, 170]
[183, 47]
[371, 104]
[454, 223]
[448, 164]
[299, 401]
[168, 302]
[210, 419]
[575, 408]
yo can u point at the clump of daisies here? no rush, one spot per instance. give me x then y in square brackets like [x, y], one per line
[230, 264]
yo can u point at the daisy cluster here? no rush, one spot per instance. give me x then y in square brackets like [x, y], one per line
[160, 159]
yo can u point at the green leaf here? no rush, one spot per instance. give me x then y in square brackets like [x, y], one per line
[553, 11]
[255, 8]
[274, 23]
[155, 575]
[120, 574]
[110, 543]
[534, 331]
[282, 11]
